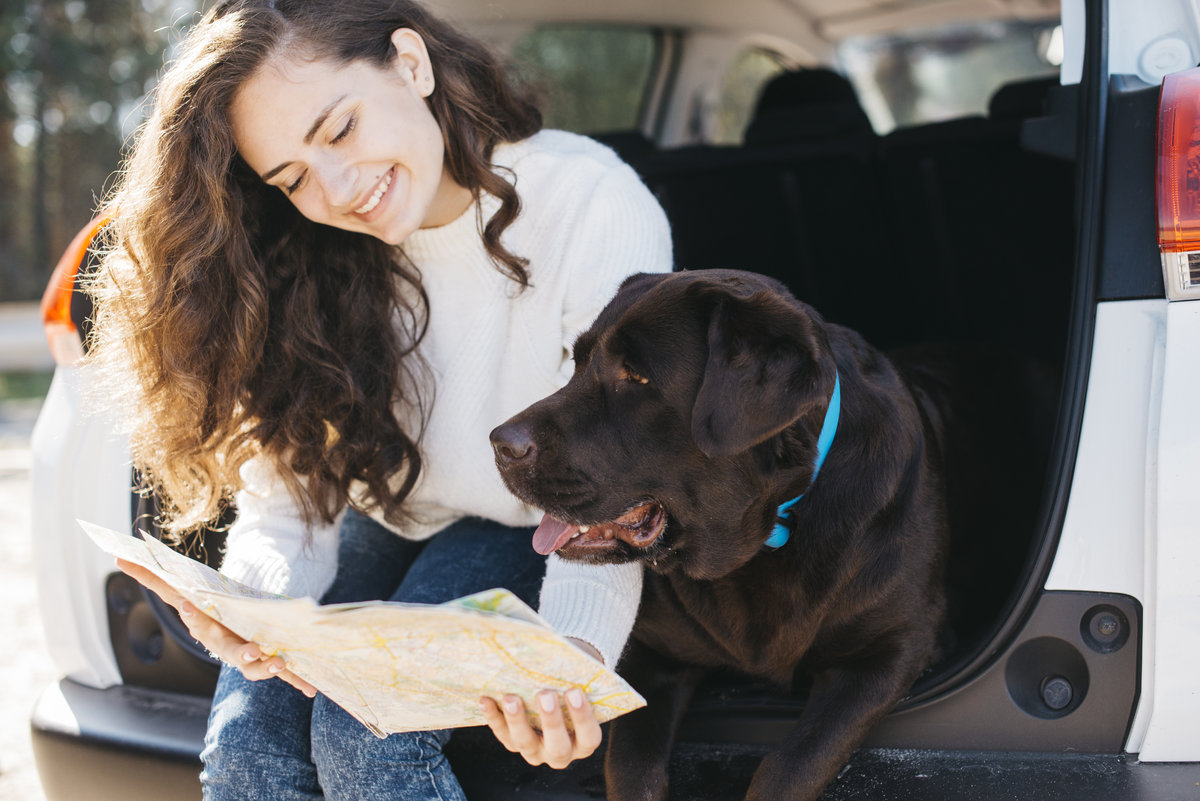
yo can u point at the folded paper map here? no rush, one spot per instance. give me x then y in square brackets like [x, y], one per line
[394, 666]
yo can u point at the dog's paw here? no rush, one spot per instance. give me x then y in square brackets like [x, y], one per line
[645, 786]
[783, 777]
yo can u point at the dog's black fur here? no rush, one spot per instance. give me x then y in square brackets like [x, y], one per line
[696, 402]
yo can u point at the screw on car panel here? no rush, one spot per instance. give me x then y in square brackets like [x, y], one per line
[1107, 625]
[1104, 628]
[1057, 692]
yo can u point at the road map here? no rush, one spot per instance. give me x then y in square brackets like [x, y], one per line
[393, 666]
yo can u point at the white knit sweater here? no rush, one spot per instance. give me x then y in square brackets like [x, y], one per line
[586, 223]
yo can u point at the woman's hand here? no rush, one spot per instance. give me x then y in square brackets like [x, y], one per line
[554, 745]
[220, 641]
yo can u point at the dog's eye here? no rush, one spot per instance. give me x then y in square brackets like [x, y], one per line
[632, 376]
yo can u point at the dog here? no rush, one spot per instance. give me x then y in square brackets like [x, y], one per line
[783, 484]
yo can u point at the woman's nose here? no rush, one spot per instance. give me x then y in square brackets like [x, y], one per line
[337, 182]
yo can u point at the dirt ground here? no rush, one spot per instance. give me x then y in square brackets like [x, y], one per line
[25, 666]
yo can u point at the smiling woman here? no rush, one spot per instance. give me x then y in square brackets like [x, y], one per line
[234, 250]
[336, 153]
[324, 288]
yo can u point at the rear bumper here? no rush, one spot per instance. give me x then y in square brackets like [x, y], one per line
[118, 743]
[129, 744]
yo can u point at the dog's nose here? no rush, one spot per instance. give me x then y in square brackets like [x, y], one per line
[513, 442]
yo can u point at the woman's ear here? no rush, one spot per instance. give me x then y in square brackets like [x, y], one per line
[412, 60]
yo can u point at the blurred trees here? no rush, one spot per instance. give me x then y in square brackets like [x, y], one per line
[72, 78]
[592, 79]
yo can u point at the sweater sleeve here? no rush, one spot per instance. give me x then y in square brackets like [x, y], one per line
[270, 547]
[621, 231]
[593, 603]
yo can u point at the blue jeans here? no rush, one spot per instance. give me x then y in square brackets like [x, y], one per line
[267, 740]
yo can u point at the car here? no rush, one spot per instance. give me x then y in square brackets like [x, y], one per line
[1015, 173]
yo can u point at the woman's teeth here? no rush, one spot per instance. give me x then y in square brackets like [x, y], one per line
[373, 201]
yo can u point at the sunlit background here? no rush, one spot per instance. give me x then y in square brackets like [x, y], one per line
[73, 77]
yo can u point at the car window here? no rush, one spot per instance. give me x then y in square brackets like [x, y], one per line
[593, 79]
[937, 74]
[740, 87]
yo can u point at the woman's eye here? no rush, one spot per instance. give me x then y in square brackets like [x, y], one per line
[294, 185]
[349, 126]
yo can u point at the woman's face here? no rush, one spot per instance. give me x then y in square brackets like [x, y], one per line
[353, 146]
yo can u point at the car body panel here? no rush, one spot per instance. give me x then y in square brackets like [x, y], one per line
[1153, 45]
[1174, 591]
[81, 470]
[1131, 523]
[1096, 551]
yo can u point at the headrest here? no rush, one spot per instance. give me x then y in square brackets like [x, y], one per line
[1022, 99]
[806, 104]
[627, 144]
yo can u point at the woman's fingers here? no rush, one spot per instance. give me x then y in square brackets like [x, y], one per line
[496, 722]
[234, 650]
[524, 738]
[583, 720]
[508, 722]
[554, 745]
[557, 746]
[297, 682]
[220, 641]
[151, 582]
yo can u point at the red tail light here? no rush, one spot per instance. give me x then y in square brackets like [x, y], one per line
[61, 333]
[1179, 183]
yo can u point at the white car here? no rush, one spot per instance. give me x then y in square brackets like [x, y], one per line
[1004, 171]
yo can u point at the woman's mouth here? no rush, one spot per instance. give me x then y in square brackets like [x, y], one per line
[376, 197]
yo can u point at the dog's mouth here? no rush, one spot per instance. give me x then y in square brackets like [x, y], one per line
[640, 527]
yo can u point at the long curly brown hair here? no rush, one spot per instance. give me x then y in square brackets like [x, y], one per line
[240, 327]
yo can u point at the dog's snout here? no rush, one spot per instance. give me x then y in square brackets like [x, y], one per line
[513, 442]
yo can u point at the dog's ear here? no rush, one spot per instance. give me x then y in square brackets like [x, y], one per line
[763, 370]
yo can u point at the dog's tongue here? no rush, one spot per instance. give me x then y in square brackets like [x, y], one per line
[551, 535]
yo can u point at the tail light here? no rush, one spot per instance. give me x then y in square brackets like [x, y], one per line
[61, 332]
[1179, 183]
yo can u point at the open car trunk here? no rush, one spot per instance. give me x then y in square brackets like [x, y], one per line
[962, 233]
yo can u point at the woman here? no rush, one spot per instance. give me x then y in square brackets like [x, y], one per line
[343, 250]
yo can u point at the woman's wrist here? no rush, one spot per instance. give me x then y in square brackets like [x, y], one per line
[587, 648]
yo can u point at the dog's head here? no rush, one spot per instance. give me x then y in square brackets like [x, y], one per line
[693, 394]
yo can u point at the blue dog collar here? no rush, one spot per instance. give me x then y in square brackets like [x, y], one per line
[780, 534]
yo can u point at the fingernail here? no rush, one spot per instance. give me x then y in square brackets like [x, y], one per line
[273, 668]
[512, 706]
[311, 693]
[548, 701]
[249, 656]
[186, 610]
[575, 697]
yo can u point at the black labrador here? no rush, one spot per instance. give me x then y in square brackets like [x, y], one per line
[783, 484]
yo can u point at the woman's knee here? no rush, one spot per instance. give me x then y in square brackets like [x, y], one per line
[353, 763]
[258, 736]
[336, 730]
